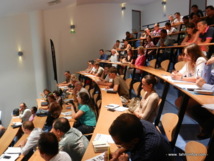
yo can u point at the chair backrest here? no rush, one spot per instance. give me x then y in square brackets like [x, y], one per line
[99, 102]
[169, 122]
[165, 65]
[136, 86]
[91, 92]
[128, 82]
[87, 87]
[179, 65]
[122, 76]
[95, 97]
[152, 63]
[198, 150]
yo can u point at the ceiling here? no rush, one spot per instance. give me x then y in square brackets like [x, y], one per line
[9, 7]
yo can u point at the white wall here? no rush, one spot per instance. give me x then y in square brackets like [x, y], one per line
[17, 82]
[153, 12]
[97, 26]
[210, 2]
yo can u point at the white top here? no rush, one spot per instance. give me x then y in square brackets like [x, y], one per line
[99, 70]
[187, 70]
[32, 140]
[61, 156]
[25, 115]
[114, 58]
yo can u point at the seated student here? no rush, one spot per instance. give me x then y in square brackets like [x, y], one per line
[206, 36]
[45, 93]
[129, 58]
[207, 84]
[195, 19]
[99, 69]
[129, 36]
[33, 113]
[178, 19]
[138, 140]
[117, 45]
[196, 10]
[71, 140]
[149, 102]
[90, 66]
[67, 75]
[156, 31]
[114, 57]
[103, 56]
[54, 111]
[193, 68]
[171, 19]
[171, 30]
[118, 85]
[46, 141]
[140, 61]
[32, 140]
[50, 99]
[192, 34]
[58, 97]
[79, 88]
[164, 39]
[148, 44]
[204, 117]
[185, 22]
[104, 79]
[85, 115]
[210, 15]
[2, 130]
[126, 46]
[73, 81]
[24, 113]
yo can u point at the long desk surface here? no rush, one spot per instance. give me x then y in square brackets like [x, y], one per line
[9, 135]
[105, 120]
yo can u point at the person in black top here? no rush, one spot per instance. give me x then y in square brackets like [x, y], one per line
[210, 15]
[195, 10]
[138, 140]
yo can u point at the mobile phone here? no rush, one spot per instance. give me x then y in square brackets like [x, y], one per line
[6, 157]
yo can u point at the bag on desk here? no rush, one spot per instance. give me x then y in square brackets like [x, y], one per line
[133, 104]
[42, 113]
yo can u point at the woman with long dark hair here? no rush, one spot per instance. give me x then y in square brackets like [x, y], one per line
[85, 115]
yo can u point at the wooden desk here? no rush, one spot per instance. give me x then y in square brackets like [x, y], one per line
[105, 120]
[9, 135]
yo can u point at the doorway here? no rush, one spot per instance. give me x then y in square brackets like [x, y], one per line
[136, 21]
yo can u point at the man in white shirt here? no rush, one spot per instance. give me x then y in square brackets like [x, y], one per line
[78, 88]
[24, 113]
[49, 148]
[32, 140]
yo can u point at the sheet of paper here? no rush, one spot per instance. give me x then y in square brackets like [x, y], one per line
[13, 150]
[63, 87]
[171, 80]
[208, 106]
[66, 113]
[68, 117]
[112, 106]
[186, 86]
[9, 157]
[104, 137]
[97, 158]
[121, 109]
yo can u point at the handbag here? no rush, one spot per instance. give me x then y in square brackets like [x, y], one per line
[133, 104]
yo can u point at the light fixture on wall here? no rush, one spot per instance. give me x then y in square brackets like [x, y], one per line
[163, 2]
[20, 53]
[123, 6]
[164, 7]
[72, 29]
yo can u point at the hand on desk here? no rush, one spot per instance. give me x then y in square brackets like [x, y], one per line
[22, 144]
[176, 75]
[118, 155]
[200, 82]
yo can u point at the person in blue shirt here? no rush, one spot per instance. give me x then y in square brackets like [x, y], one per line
[103, 56]
[85, 114]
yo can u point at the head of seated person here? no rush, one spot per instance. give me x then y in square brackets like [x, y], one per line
[48, 146]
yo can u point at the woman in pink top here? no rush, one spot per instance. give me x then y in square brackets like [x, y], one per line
[141, 59]
[33, 113]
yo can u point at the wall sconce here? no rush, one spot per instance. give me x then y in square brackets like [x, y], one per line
[20, 53]
[163, 2]
[72, 29]
[123, 6]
